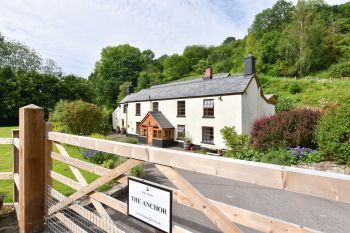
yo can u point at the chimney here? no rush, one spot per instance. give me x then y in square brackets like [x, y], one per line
[208, 74]
[249, 64]
[130, 90]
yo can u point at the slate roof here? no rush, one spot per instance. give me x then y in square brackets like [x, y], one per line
[162, 120]
[220, 84]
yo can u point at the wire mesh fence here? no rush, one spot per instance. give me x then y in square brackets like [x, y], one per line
[77, 217]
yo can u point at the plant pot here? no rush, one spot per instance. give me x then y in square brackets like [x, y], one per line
[187, 145]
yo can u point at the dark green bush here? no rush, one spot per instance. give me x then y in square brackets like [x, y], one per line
[333, 134]
[278, 156]
[79, 117]
[294, 88]
[340, 70]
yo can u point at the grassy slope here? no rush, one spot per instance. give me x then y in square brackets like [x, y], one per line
[6, 165]
[314, 92]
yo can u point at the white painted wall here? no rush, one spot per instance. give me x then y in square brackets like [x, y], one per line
[254, 106]
[231, 110]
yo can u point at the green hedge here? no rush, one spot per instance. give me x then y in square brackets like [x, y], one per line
[333, 134]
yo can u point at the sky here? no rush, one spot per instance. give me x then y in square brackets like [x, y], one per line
[73, 33]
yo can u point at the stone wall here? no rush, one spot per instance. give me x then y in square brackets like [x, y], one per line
[326, 166]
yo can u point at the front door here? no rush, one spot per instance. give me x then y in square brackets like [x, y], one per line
[149, 135]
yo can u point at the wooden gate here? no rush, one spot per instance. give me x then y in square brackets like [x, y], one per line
[40, 204]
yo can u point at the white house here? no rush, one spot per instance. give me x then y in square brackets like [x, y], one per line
[200, 108]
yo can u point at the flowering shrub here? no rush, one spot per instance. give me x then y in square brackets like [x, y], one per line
[289, 128]
[304, 155]
[98, 157]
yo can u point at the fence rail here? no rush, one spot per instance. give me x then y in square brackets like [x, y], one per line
[330, 186]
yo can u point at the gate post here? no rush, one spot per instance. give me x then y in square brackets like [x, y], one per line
[31, 169]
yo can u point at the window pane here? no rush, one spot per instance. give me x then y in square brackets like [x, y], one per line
[181, 108]
[138, 108]
[208, 134]
[180, 132]
[208, 107]
[155, 106]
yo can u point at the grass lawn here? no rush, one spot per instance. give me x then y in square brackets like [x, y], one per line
[6, 166]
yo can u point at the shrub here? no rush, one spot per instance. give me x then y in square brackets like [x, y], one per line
[290, 128]
[340, 70]
[305, 155]
[294, 88]
[245, 154]
[78, 117]
[333, 134]
[278, 156]
[285, 104]
[234, 141]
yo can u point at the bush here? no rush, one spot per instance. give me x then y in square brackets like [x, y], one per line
[290, 128]
[278, 156]
[333, 134]
[294, 88]
[305, 155]
[78, 117]
[244, 154]
[234, 141]
[340, 70]
[285, 104]
[131, 140]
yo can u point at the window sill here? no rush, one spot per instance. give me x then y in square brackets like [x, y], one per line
[137, 114]
[180, 116]
[208, 117]
[209, 143]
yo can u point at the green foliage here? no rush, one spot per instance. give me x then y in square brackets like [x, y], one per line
[78, 117]
[131, 140]
[333, 134]
[294, 88]
[308, 158]
[234, 141]
[118, 64]
[284, 104]
[279, 156]
[245, 154]
[340, 70]
[175, 67]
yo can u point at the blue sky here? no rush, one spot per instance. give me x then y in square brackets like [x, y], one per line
[73, 32]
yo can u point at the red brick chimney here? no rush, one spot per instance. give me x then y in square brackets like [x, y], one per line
[208, 74]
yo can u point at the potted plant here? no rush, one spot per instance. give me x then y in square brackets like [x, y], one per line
[187, 141]
[2, 197]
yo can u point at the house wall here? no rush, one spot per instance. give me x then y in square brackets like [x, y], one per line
[227, 112]
[232, 110]
[254, 106]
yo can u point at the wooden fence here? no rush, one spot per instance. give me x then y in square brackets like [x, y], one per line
[33, 175]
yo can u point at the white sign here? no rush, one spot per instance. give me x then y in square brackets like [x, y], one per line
[151, 204]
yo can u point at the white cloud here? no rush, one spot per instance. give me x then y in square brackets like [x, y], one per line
[74, 32]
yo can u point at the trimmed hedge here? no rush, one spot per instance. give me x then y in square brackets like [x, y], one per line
[285, 129]
[333, 134]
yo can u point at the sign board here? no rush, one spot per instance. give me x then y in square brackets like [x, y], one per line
[150, 204]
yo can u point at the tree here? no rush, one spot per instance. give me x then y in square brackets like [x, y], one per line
[117, 65]
[175, 67]
[18, 56]
[195, 53]
[302, 39]
[75, 88]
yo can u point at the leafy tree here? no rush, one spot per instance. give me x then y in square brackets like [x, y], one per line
[123, 90]
[74, 88]
[175, 67]
[117, 65]
[195, 53]
[302, 39]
